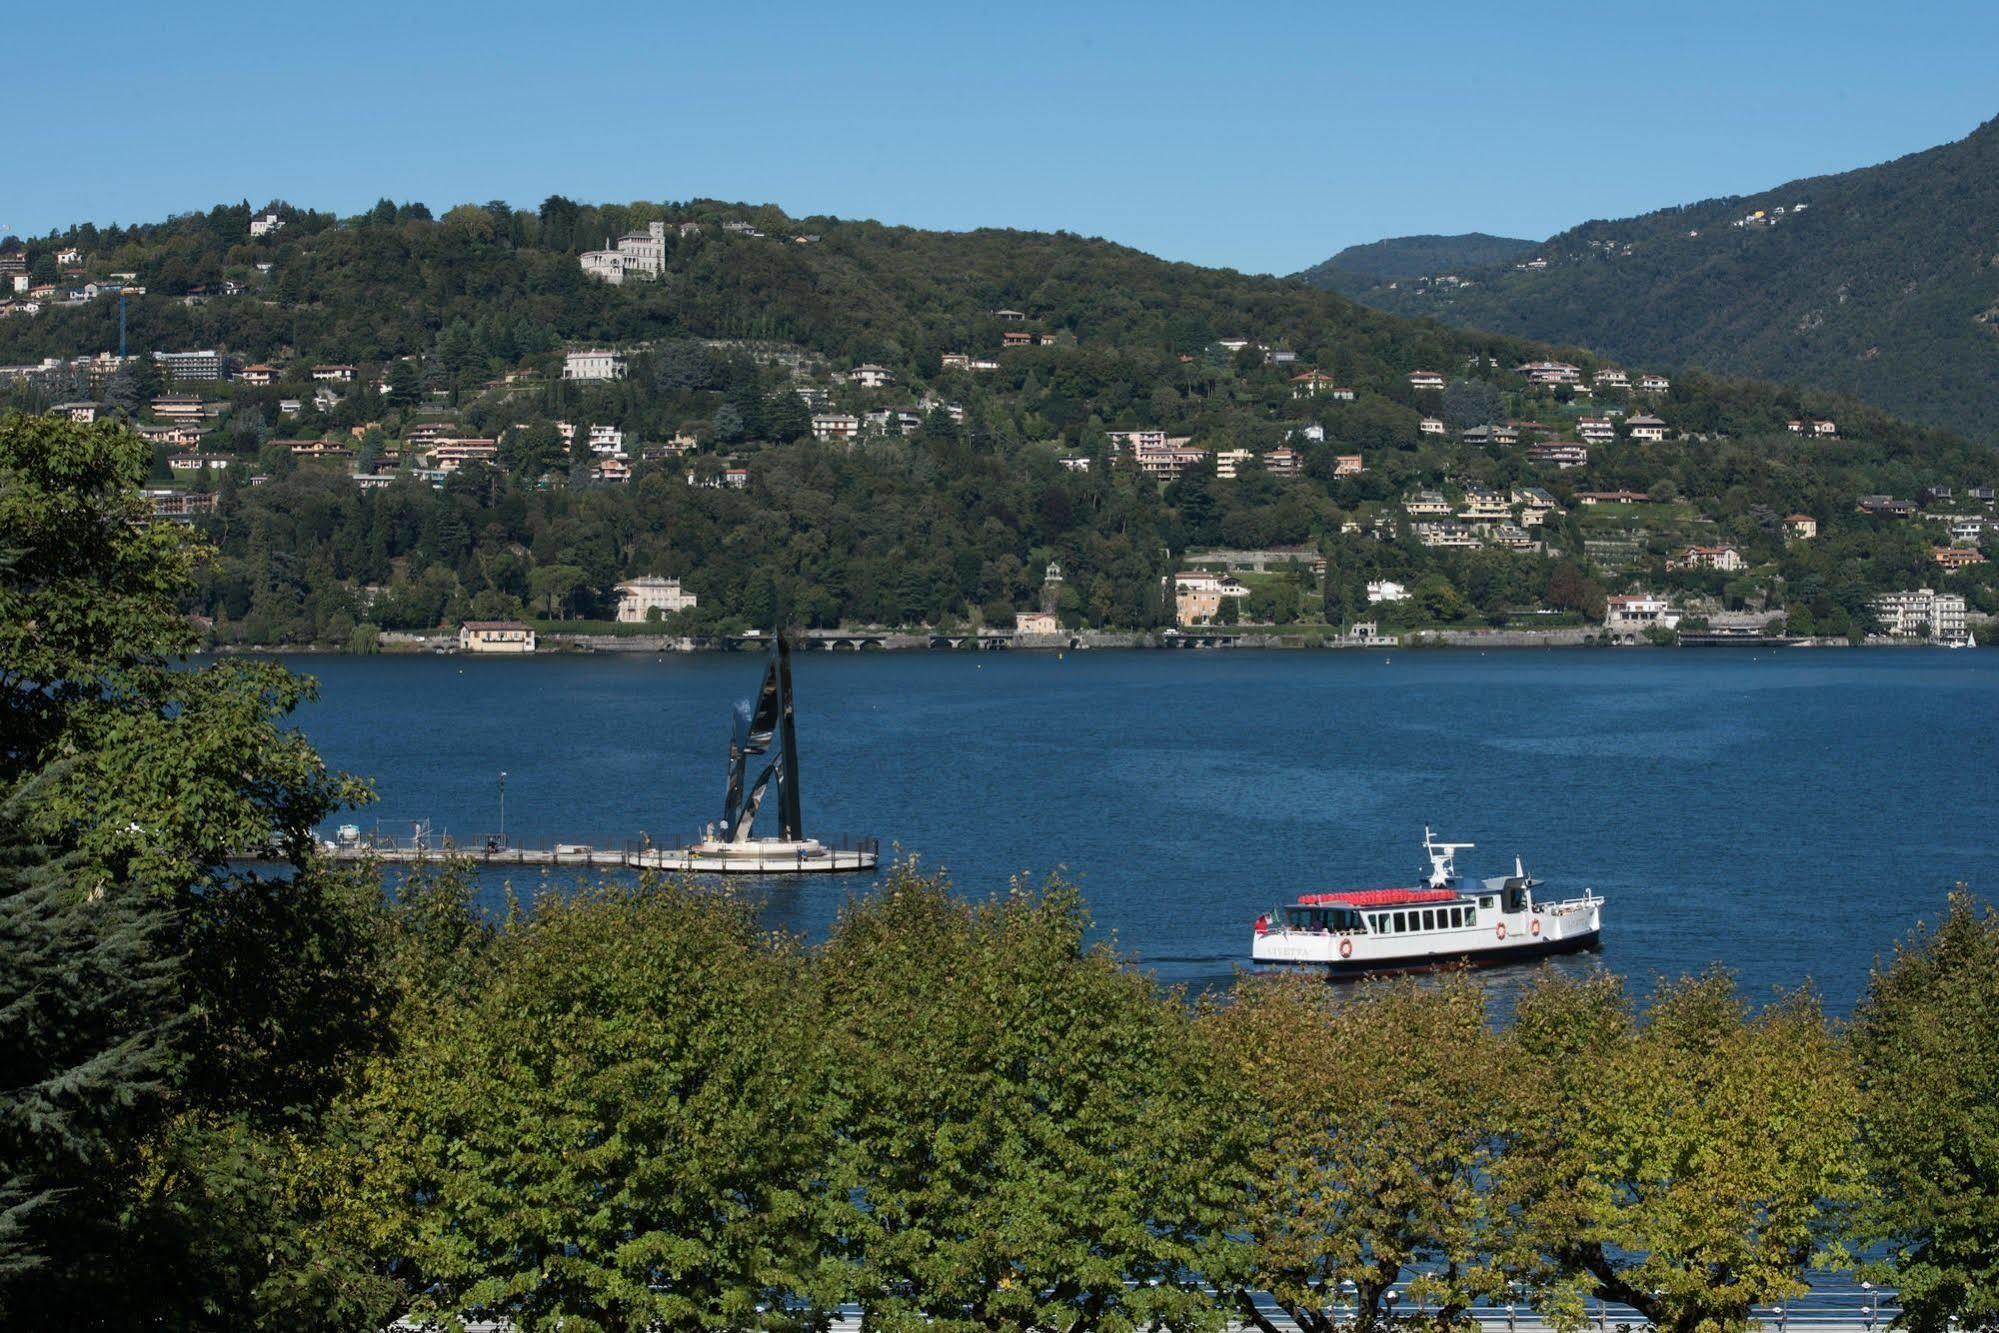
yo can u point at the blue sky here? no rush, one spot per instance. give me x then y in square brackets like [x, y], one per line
[1260, 137]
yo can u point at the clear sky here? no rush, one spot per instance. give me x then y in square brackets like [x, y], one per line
[1262, 137]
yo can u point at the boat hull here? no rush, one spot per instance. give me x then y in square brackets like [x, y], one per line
[1353, 969]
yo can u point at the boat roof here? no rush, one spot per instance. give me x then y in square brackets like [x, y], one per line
[1376, 897]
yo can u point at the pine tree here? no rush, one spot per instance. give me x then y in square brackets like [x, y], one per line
[85, 1004]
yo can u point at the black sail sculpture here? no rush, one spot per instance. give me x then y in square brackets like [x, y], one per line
[754, 733]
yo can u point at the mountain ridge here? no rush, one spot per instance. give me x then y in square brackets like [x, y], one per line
[1396, 257]
[1885, 285]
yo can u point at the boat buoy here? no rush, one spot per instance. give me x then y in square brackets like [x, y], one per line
[1346, 948]
[1533, 927]
[1500, 930]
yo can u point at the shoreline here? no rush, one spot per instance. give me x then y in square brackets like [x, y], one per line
[556, 644]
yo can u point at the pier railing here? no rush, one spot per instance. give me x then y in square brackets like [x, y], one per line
[431, 843]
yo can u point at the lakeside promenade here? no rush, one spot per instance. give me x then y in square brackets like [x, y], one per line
[556, 642]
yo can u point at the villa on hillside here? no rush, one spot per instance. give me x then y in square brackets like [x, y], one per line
[636, 254]
[1724, 558]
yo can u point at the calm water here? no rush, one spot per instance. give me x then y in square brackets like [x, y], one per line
[1787, 814]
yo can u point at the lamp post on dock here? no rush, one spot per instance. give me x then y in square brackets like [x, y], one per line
[503, 807]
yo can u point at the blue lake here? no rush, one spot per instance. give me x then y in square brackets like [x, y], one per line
[1788, 814]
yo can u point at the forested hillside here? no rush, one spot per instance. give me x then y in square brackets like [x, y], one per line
[1881, 282]
[1361, 266]
[866, 424]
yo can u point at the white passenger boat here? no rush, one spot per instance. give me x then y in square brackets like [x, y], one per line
[1359, 932]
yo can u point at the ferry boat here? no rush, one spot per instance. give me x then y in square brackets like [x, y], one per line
[1363, 932]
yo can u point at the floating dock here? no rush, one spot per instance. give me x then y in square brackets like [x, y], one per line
[758, 856]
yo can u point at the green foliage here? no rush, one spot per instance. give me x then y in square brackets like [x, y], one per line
[1690, 1165]
[1363, 1133]
[1926, 1041]
[153, 996]
[1020, 1117]
[620, 1126]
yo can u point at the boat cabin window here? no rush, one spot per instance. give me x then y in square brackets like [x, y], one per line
[1457, 918]
[1322, 918]
[1486, 902]
[1399, 926]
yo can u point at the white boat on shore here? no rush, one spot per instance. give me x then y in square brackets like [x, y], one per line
[1439, 923]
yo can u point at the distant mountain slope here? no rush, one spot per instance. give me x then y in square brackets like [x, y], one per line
[1885, 285]
[1399, 257]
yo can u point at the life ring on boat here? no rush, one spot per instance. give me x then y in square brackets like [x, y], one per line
[1500, 930]
[1533, 927]
[1346, 948]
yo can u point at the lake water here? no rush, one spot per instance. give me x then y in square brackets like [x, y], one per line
[1788, 814]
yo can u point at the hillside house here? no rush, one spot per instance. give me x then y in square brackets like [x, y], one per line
[1431, 426]
[1957, 557]
[593, 363]
[1458, 536]
[1563, 454]
[1229, 462]
[1801, 527]
[1646, 429]
[1485, 506]
[1884, 506]
[1726, 559]
[871, 376]
[1348, 465]
[835, 426]
[1427, 504]
[1168, 461]
[1596, 430]
[1422, 380]
[1311, 383]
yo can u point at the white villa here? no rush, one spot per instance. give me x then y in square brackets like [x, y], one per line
[636, 254]
[639, 598]
[593, 364]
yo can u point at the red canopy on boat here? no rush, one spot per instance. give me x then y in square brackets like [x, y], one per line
[1376, 897]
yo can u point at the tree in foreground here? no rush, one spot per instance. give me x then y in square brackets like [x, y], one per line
[1926, 1039]
[620, 1126]
[155, 1000]
[1363, 1127]
[1690, 1165]
[1022, 1133]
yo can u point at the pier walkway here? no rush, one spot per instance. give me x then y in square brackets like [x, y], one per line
[763, 856]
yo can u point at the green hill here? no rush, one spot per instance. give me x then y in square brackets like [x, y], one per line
[1359, 267]
[741, 451]
[1885, 285]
